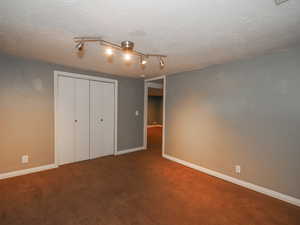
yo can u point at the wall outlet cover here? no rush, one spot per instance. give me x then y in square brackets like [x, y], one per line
[137, 112]
[238, 169]
[25, 159]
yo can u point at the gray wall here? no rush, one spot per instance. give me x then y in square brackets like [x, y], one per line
[243, 113]
[155, 112]
[27, 112]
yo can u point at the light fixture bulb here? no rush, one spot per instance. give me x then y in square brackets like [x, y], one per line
[109, 51]
[143, 61]
[127, 56]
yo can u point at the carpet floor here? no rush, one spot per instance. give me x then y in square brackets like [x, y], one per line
[139, 188]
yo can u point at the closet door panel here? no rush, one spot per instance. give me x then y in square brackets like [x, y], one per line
[96, 134]
[108, 113]
[82, 119]
[66, 116]
[102, 118]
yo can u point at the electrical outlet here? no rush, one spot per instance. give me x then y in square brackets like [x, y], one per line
[25, 159]
[238, 169]
[137, 112]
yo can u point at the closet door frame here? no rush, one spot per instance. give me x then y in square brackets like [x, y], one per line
[85, 77]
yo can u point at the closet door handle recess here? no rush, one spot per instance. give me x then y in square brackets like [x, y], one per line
[100, 120]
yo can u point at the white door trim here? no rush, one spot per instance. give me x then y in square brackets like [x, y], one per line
[86, 77]
[154, 85]
[146, 110]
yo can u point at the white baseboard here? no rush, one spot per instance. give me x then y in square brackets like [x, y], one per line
[52, 166]
[129, 150]
[27, 171]
[245, 184]
[157, 125]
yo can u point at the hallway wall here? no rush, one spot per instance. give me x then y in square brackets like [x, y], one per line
[155, 110]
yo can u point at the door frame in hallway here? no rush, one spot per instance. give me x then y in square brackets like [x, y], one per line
[85, 77]
[146, 110]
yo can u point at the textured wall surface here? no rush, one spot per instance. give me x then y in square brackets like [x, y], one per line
[155, 110]
[27, 112]
[244, 113]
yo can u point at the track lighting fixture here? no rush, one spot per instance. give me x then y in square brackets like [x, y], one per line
[127, 47]
[80, 46]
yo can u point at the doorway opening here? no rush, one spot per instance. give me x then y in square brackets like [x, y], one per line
[154, 114]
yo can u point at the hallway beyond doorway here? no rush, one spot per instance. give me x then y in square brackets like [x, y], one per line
[154, 139]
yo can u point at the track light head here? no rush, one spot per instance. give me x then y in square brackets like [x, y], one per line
[143, 61]
[80, 46]
[162, 62]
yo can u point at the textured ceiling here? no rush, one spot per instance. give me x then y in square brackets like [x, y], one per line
[194, 34]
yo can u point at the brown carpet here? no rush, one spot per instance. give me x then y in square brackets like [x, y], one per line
[135, 189]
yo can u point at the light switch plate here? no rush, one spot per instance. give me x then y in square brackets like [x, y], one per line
[278, 2]
[137, 112]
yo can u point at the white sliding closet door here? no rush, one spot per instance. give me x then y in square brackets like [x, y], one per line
[82, 119]
[102, 118]
[73, 119]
